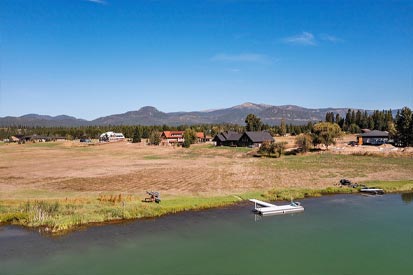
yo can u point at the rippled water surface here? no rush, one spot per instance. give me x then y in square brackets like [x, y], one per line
[343, 234]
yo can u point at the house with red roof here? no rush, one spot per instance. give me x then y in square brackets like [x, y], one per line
[177, 137]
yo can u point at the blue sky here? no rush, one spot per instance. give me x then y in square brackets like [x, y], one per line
[94, 58]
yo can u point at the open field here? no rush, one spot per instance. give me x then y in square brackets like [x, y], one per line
[82, 176]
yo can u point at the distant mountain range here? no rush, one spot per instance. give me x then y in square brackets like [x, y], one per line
[151, 116]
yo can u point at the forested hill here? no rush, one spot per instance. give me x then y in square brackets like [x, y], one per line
[148, 115]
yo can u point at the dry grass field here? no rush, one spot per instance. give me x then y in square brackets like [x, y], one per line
[70, 169]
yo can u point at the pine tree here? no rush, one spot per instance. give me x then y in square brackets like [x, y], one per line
[136, 136]
[353, 117]
[189, 138]
[358, 118]
[404, 126]
[283, 127]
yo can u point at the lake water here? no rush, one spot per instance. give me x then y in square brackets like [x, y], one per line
[342, 234]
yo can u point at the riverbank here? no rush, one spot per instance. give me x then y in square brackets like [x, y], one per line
[63, 215]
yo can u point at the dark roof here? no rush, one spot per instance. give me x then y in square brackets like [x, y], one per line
[37, 137]
[259, 136]
[231, 135]
[219, 137]
[375, 133]
[227, 136]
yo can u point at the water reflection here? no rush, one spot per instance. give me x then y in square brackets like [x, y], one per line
[407, 197]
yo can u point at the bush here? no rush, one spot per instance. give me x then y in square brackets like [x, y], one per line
[189, 137]
[304, 142]
[271, 149]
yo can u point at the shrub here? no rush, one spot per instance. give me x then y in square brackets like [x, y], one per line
[304, 142]
[272, 149]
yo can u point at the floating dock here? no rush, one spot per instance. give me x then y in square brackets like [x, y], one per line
[265, 208]
[372, 190]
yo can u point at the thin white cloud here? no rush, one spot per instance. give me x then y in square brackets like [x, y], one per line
[101, 2]
[234, 70]
[305, 39]
[243, 57]
[330, 38]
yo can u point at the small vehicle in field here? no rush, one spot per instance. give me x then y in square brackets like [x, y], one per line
[154, 197]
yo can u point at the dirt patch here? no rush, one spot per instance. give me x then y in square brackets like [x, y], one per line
[202, 169]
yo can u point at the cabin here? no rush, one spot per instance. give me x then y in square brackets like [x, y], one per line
[111, 136]
[228, 138]
[373, 137]
[254, 139]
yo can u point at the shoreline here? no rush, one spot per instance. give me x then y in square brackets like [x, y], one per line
[34, 215]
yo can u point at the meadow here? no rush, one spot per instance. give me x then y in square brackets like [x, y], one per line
[63, 185]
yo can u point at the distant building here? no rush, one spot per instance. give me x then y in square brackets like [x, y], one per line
[177, 137]
[172, 137]
[254, 139]
[36, 138]
[200, 137]
[15, 139]
[246, 139]
[228, 138]
[111, 136]
[373, 137]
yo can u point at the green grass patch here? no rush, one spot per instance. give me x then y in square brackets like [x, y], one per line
[43, 144]
[392, 186]
[152, 157]
[346, 166]
[229, 148]
[300, 193]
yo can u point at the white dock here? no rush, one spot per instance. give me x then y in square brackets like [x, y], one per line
[265, 208]
[372, 190]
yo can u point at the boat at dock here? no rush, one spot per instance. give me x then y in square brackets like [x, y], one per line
[265, 208]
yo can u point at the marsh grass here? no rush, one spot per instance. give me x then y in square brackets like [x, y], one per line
[300, 193]
[392, 186]
[57, 216]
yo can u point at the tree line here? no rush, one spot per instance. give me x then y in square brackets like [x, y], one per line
[355, 120]
[400, 127]
[138, 132]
